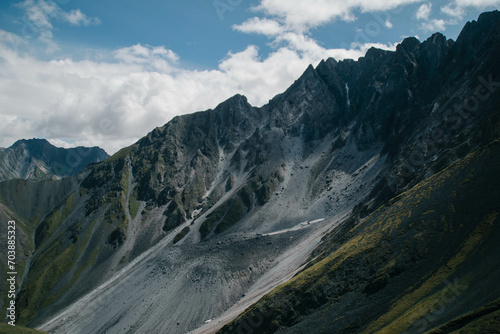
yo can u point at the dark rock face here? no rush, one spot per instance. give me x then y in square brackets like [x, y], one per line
[343, 140]
[425, 103]
[37, 159]
[116, 238]
[401, 270]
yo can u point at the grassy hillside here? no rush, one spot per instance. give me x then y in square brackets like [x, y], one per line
[428, 257]
[7, 329]
[26, 203]
[71, 239]
[24, 247]
[485, 319]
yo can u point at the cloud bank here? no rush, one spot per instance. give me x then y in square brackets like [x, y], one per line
[111, 104]
[303, 15]
[117, 96]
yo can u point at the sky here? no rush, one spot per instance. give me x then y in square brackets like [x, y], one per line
[106, 72]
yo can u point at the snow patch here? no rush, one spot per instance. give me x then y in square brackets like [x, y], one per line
[347, 91]
[295, 228]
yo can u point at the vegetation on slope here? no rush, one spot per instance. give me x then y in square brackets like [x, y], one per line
[181, 234]
[427, 257]
[8, 329]
[38, 160]
[485, 319]
[24, 247]
[65, 239]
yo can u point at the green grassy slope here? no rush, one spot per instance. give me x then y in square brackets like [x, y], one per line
[26, 203]
[24, 247]
[424, 259]
[485, 319]
[80, 231]
[7, 329]
[68, 227]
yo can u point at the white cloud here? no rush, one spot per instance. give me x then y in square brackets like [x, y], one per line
[428, 24]
[39, 17]
[303, 15]
[434, 25]
[10, 38]
[76, 17]
[260, 26]
[40, 13]
[424, 12]
[290, 21]
[152, 58]
[115, 102]
[457, 8]
[112, 104]
[476, 3]
[309, 49]
[453, 11]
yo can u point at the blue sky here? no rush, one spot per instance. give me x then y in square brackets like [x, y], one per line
[85, 72]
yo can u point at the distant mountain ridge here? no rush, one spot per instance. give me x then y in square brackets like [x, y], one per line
[364, 178]
[37, 159]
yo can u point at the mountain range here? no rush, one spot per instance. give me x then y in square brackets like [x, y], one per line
[37, 159]
[363, 199]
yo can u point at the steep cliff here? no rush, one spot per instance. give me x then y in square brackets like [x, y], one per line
[208, 213]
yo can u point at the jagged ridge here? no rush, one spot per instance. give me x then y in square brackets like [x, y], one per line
[343, 137]
[37, 159]
[416, 263]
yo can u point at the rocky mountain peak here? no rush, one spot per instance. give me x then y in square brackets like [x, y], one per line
[37, 159]
[475, 33]
[306, 81]
[374, 54]
[486, 21]
[218, 207]
[33, 144]
[409, 45]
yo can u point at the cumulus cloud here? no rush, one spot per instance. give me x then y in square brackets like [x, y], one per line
[108, 104]
[10, 38]
[260, 26]
[76, 17]
[453, 11]
[424, 11]
[434, 25]
[40, 13]
[303, 15]
[112, 104]
[152, 58]
[477, 3]
[430, 25]
[457, 8]
[288, 22]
